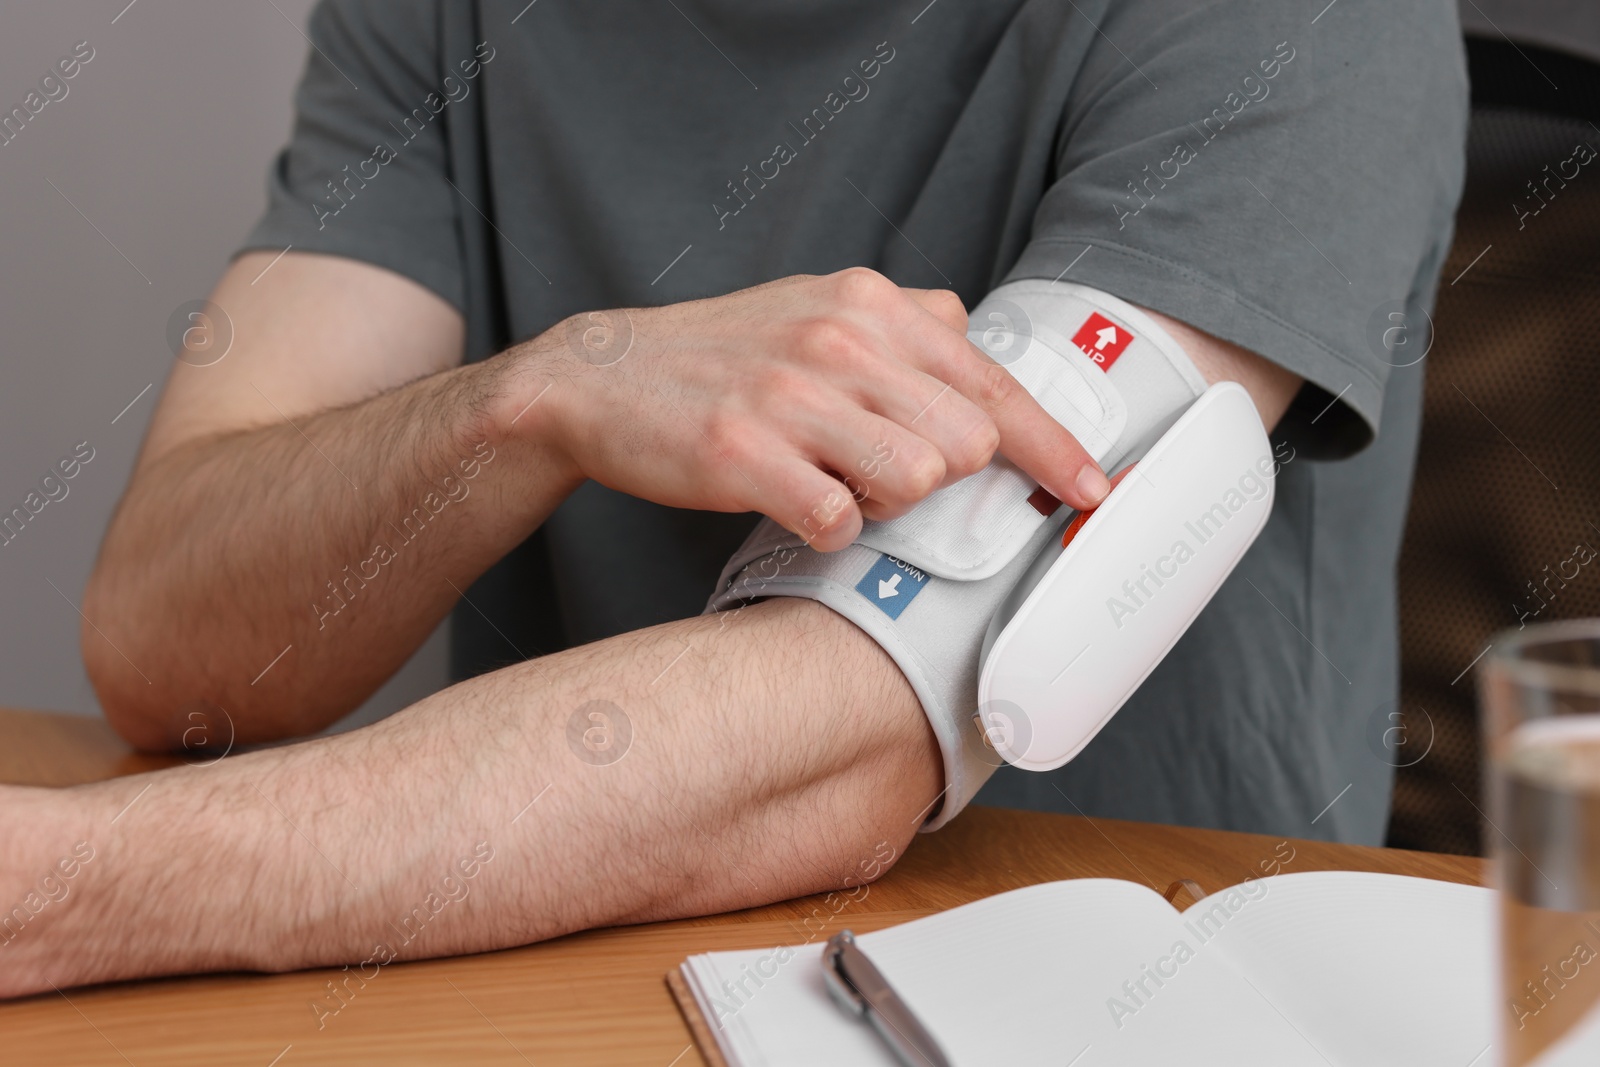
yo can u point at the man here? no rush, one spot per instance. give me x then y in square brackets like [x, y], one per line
[424, 374]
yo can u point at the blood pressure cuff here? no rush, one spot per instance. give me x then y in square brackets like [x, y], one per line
[925, 585]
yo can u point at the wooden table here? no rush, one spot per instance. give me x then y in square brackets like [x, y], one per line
[593, 998]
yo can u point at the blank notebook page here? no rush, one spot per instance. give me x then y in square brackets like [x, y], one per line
[1374, 969]
[1023, 978]
[1029, 978]
[1326, 968]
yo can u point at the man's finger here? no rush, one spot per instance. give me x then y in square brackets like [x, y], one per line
[926, 406]
[943, 305]
[1029, 436]
[888, 469]
[810, 502]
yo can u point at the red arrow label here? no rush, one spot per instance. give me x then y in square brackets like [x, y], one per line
[1102, 340]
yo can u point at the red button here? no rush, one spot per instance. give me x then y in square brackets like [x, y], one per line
[1083, 516]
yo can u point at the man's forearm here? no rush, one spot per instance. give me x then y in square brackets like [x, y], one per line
[695, 767]
[336, 541]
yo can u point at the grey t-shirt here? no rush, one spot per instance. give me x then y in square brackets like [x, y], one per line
[1278, 178]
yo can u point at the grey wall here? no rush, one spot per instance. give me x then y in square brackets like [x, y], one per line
[161, 142]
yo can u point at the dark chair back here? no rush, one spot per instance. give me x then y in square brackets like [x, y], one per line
[1504, 527]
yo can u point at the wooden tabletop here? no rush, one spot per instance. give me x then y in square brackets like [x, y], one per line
[592, 998]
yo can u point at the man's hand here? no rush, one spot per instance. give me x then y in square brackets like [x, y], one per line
[815, 400]
[302, 514]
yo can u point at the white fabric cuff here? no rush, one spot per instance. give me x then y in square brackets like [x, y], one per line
[925, 585]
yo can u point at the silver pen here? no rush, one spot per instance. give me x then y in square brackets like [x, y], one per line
[860, 989]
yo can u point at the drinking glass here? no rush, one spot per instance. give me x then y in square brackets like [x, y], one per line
[1540, 694]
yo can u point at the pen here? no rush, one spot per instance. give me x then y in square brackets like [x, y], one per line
[860, 989]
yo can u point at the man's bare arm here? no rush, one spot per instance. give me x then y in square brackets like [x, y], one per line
[252, 525]
[1269, 385]
[307, 508]
[774, 752]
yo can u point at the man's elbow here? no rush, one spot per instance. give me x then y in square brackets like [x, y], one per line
[141, 697]
[127, 701]
[161, 693]
[127, 694]
[156, 713]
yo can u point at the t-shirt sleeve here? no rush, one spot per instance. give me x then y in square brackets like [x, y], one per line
[365, 174]
[1277, 178]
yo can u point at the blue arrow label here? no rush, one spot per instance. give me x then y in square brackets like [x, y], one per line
[891, 584]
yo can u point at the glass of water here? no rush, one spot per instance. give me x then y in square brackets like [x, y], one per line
[1540, 691]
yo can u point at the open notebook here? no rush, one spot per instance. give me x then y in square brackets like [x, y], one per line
[1319, 968]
